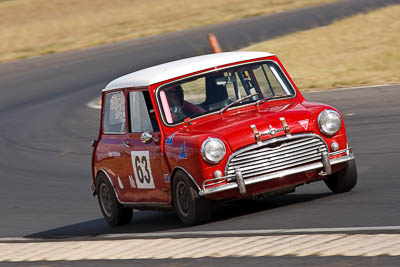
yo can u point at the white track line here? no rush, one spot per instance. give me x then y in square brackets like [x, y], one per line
[350, 88]
[94, 103]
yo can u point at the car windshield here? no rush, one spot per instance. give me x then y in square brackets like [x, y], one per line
[221, 90]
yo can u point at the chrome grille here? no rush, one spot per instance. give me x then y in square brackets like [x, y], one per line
[277, 156]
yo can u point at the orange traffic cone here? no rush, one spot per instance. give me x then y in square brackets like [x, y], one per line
[214, 45]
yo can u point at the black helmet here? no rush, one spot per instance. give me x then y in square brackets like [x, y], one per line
[177, 91]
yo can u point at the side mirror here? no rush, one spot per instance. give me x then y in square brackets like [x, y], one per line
[146, 137]
[93, 143]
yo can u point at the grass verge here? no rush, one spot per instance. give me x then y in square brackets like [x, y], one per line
[360, 50]
[36, 27]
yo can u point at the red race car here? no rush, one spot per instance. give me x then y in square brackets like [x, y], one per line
[189, 133]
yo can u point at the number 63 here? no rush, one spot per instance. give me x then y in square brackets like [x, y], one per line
[140, 164]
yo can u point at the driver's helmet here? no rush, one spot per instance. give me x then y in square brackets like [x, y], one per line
[175, 101]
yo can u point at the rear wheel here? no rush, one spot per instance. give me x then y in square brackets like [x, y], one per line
[190, 207]
[343, 180]
[113, 211]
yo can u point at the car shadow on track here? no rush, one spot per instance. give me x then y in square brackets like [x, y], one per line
[142, 222]
[248, 207]
[154, 221]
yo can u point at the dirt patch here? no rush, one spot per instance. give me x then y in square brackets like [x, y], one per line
[361, 50]
[35, 27]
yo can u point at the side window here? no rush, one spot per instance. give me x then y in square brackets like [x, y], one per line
[114, 113]
[142, 116]
[276, 80]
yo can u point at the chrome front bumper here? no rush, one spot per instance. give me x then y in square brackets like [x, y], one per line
[236, 180]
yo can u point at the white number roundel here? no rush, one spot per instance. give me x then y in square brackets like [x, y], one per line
[142, 169]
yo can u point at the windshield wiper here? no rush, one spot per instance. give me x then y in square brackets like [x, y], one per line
[259, 102]
[237, 101]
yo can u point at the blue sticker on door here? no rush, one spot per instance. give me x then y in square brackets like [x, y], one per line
[183, 155]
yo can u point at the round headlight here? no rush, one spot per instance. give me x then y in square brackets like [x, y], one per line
[329, 122]
[213, 150]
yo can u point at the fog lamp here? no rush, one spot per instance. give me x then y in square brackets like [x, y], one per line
[217, 174]
[334, 146]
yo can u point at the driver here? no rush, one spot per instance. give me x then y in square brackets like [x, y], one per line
[181, 109]
[175, 101]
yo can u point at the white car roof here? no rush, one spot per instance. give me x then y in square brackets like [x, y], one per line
[181, 67]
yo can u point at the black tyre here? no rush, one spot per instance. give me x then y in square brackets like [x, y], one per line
[343, 180]
[113, 211]
[190, 207]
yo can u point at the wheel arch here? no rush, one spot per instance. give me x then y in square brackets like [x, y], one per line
[192, 180]
[102, 171]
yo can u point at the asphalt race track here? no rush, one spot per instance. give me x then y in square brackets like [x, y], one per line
[46, 129]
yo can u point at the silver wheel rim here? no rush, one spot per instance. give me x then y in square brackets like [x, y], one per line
[105, 196]
[183, 198]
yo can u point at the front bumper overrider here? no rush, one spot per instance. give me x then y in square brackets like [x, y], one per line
[215, 185]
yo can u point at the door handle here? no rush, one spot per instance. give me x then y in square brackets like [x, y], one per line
[127, 144]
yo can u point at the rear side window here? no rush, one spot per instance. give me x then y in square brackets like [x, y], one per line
[114, 113]
[140, 113]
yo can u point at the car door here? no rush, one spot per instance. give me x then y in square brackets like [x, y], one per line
[148, 181]
[112, 147]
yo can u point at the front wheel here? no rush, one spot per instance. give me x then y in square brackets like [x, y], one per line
[343, 180]
[190, 207]
[114, 213]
